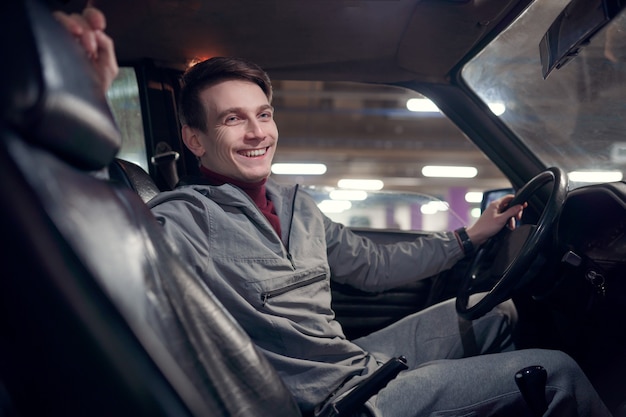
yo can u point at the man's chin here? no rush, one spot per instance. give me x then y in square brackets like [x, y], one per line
[254, 178]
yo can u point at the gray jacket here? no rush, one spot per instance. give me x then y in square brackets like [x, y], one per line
[278, 288]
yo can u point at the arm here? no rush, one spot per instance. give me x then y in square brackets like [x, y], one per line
[363, 264]
[88, 29]
[359, 262]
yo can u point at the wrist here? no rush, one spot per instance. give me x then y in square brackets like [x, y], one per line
[464, 240]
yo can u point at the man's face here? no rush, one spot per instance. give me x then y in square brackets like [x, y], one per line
[241, 135]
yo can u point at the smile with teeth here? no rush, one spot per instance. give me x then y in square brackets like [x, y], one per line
[253, 152]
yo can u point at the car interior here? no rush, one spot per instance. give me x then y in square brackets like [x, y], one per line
[100, 316]
[88, 331]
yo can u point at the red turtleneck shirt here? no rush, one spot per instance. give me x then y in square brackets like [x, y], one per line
[255, 190]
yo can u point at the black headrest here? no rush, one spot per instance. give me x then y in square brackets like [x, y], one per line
[48, 91]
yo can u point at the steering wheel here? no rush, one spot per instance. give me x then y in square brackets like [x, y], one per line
[507, 257]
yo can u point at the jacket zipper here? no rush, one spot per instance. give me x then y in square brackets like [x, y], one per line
[280, 291]
[293, 205]
[284, 245]
[293, 265]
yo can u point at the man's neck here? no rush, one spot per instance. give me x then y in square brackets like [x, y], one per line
[256, 190]
[216, 178]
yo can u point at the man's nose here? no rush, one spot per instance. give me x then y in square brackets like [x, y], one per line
[255, 130]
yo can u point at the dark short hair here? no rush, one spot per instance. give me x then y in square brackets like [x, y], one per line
[209, 72]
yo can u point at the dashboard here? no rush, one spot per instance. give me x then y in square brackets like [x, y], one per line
[591, 253]
[593, 222]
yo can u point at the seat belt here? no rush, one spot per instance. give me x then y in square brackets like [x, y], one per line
[165, 160]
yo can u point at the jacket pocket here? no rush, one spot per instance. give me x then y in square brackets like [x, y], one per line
[267, 295]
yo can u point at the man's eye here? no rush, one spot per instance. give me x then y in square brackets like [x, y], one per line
[266, 115]
[232, 119]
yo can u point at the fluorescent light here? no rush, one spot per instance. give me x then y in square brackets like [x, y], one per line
[425, 105]
[356, 184]
[449, 171]
[298, 169]
[433, 207]
[350, 195]
[595, 176]
[422, 105]
[497, 108]
[475, 213]
[334, 206]
[474, 197]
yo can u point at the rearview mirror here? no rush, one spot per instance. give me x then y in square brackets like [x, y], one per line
[573, 29]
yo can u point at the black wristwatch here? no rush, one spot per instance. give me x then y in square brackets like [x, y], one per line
[464, 241]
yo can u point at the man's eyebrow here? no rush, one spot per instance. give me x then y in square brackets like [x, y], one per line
[230, 110]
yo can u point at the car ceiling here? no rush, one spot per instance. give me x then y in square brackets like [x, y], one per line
[362, 40]
[378, 41]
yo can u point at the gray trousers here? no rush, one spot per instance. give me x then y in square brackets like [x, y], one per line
[461, 368]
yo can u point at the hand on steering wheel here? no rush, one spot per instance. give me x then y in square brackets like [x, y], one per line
[507, 256]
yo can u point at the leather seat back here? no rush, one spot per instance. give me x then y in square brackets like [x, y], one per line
[134, 177]
[99, 317]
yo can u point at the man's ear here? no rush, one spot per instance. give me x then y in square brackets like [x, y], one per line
[192, 140]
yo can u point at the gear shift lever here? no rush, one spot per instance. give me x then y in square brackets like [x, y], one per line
[531, 382]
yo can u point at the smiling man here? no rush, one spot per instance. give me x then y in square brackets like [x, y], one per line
[268, 254]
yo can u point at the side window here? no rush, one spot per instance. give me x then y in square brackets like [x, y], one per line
[123, 98]
[417, 170]
[398, 210]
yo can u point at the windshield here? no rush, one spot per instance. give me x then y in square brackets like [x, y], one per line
[574, 119]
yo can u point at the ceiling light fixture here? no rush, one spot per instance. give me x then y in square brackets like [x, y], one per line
[474, 197]
[433, 207]
[440, 171]
[298, 169]
[425, 105]
[334, 206]
[422, 105]
[360, 184]
[497, 108]
[595, 176]
[350, 195]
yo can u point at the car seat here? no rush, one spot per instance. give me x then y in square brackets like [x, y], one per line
[133, 176]
[98, 315]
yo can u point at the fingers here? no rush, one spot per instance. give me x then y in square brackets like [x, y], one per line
[88, 29]
[84, 27]
[501, 206]
[513, 211]
[106, 48]
[106, 60]
[497, 215]
[70, 24]
[510, 214]
[503, 202]
[94, 23]
[95, 18]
